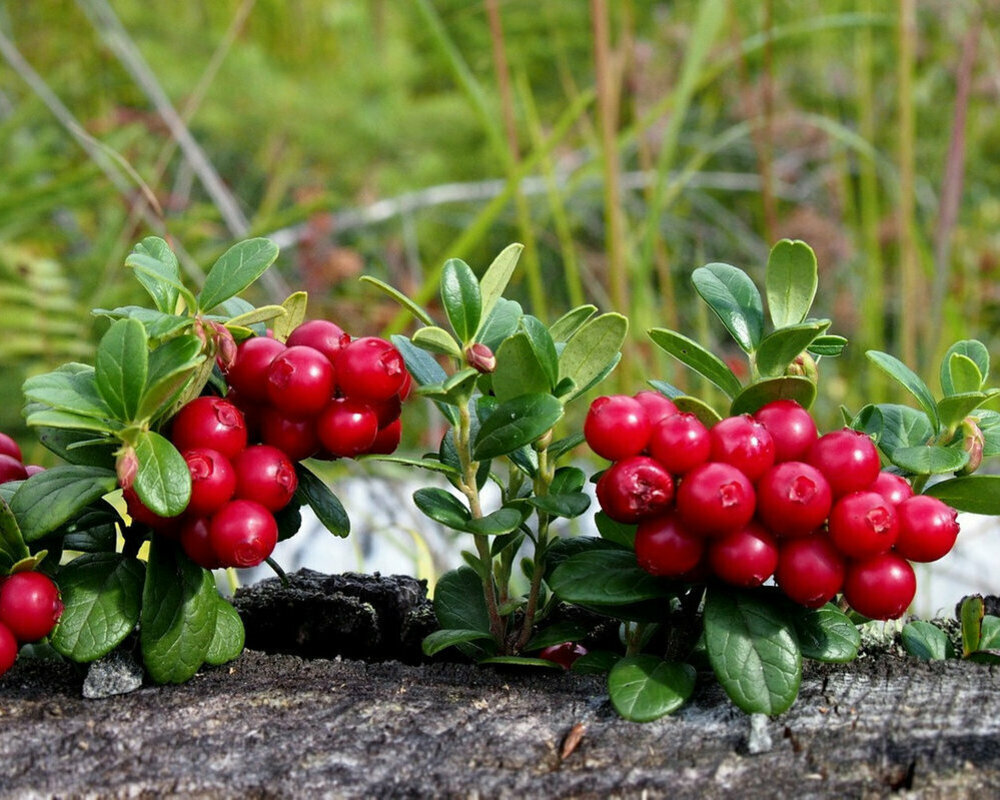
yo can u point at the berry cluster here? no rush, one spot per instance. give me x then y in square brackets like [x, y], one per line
[320, 394]
[30, 606]
[12, 466]
[765, 495]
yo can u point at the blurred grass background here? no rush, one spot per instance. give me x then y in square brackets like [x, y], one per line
[625, 143]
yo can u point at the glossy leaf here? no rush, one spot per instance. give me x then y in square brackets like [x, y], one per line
[543, 347]
[930, 460]
[163, 481]
[826, 634]
[569, 323]
[957, 374]
[229, 637]
[956, 407]
[47, 501]
[443, 507]
[596, 662]
[12, 544]
[787, 387]
[644, 688]
[568, 505]
[429, 464]
[461, 298]
[494, 281]
[102, 593]
[121, 367]
[156, 268]
[72, 388]
[926, 641]
[592, 350]
[975, 494]
[157, 324]
[614, 531]
[37, 415]
[425, 370]
[500, 324]
[894, 426]
[707, 415]
[604, 577]
[171, 366]
[439, 640]
[908, 379]
[516, 423]
[79, 447]
[971, 614]
[734, 298]
[521, 661]
[557, 633]
[497, 523]
[779, 349]
[459, 605]
[828, 345]
[693, 355]
[519, 370]
[437, 340]
[325, 504]
[418, 311]
[790, 282]
[236, 269]
[295, 306]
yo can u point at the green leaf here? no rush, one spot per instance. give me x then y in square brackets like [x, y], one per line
[988, 651]
[430, 464]
[787, 387]
[568, 505]
[503, 520]
[500, 324]
[606, 578]
[971, 614]
[437, 340]
[930, 460]
[707, 415]
[975, 494]
[557, 633]
[753, 650]
[48, 500]
[93, 531]
[461, 298]
[156, 268]
[956, 407]
[171, 366]
[459, 605]
[644, 688]
[295, 306]
[518, 369]
[121, 367]
[543, 347]
[693, 355]
[230, 636]
[521, 661]
[102, 594]
[79, 447]
[494, 282]
[894, 426]
[614, 531]
[907, 378]
[163, 481]
[828, 345]
[734, 298]
[400, 298]
[12, 545]
[420, 364]
[562, 446]
[324, 503]
[179, 611]
[594, 348]
[926, 641]
[72, 388]
[780, 348]
[236, 269]
[596, 662]
[516, 423]
[790, 282]
[443, 507]
[439, 640]
[569, 323]
[43, 417]
[567, 480]
[157, 324]
[826, 634]
[957, 374]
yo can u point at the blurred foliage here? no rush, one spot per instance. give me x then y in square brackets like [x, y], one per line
[794, 126]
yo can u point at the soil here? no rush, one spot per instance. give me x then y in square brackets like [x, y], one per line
[283, 725]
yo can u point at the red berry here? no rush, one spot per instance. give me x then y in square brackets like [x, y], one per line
[847, 458]
[635, 489]
[387, 439]
[30, 605]
[744, 443]
[563, 654]
[242, 533]
[928, 528]
[863, 524]
[9, 447]
[680, 443]
[209, 422]
[657, 406]
[197, 543]
[894, 488]
[793, 499]
[347, 428]
[746, 557]
[810, 570]
[881, 587]
[406, 388]
[213, 480]
[715, 499]
[791, 427]
[300, 381]
[139, 512]
[616, 427]
[295, 437]
[320, 334]
[248, 373]
[11, 469]
[370, 368]
[8, 649]
[265, 474]
[386, 410]
[666, 546]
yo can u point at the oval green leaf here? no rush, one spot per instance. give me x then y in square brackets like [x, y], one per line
[47, 501]
[459, 605]
[121, 366]
[644, 688]
[496, 523]
[956, 407]
[734, 298]
[826, 634]
[790, 282]
[495, 279]
[439, 640]
[606, 577]
[443, 507]
[787, 387]
[593, 350]
[930, 459]
[235, 270]
[975, 494]
[780, 348]
[516, 423]
[461, 298]
[500, 324]
[163, 481]
[829, 345]
[569, 323]
[519, 370]
[569, 505]
[926, 641]
[295, 306]
[324, 503]
[707, 415]
[12, 545]
[908, 379]
[157, 269]
[543, 346]
[230, 636]
[957, 374]
[437, 340]
[693, 355]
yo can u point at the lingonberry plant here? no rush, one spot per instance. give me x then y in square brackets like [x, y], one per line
[506, 381]
[184, 446]
[705, 504]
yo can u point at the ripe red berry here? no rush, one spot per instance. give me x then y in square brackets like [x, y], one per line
[370, 368]
[139, 512]
[265, 474]
[248, 373]
[347, 427]
[634, 489]
[680, 443]
[744, 443]
[196, 542]
[300, 381]
[746, 557]
[793, 499]
[847, 458]
[791, 427]
[810, 570]
[9, 447]
[294, 436]
[213, 480]
[616, 427]
[11, 469]
[387, 439]
[8, 649]
[406, 388]
[666, 546]
[242, 533]
[881, 587]
[209, 422]
[894, 488]
[657, 406]
[563, 654]
[386, 410]
[320, 334]
[30, 605]
[715, 499]
[863, 524]
[928, 528]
